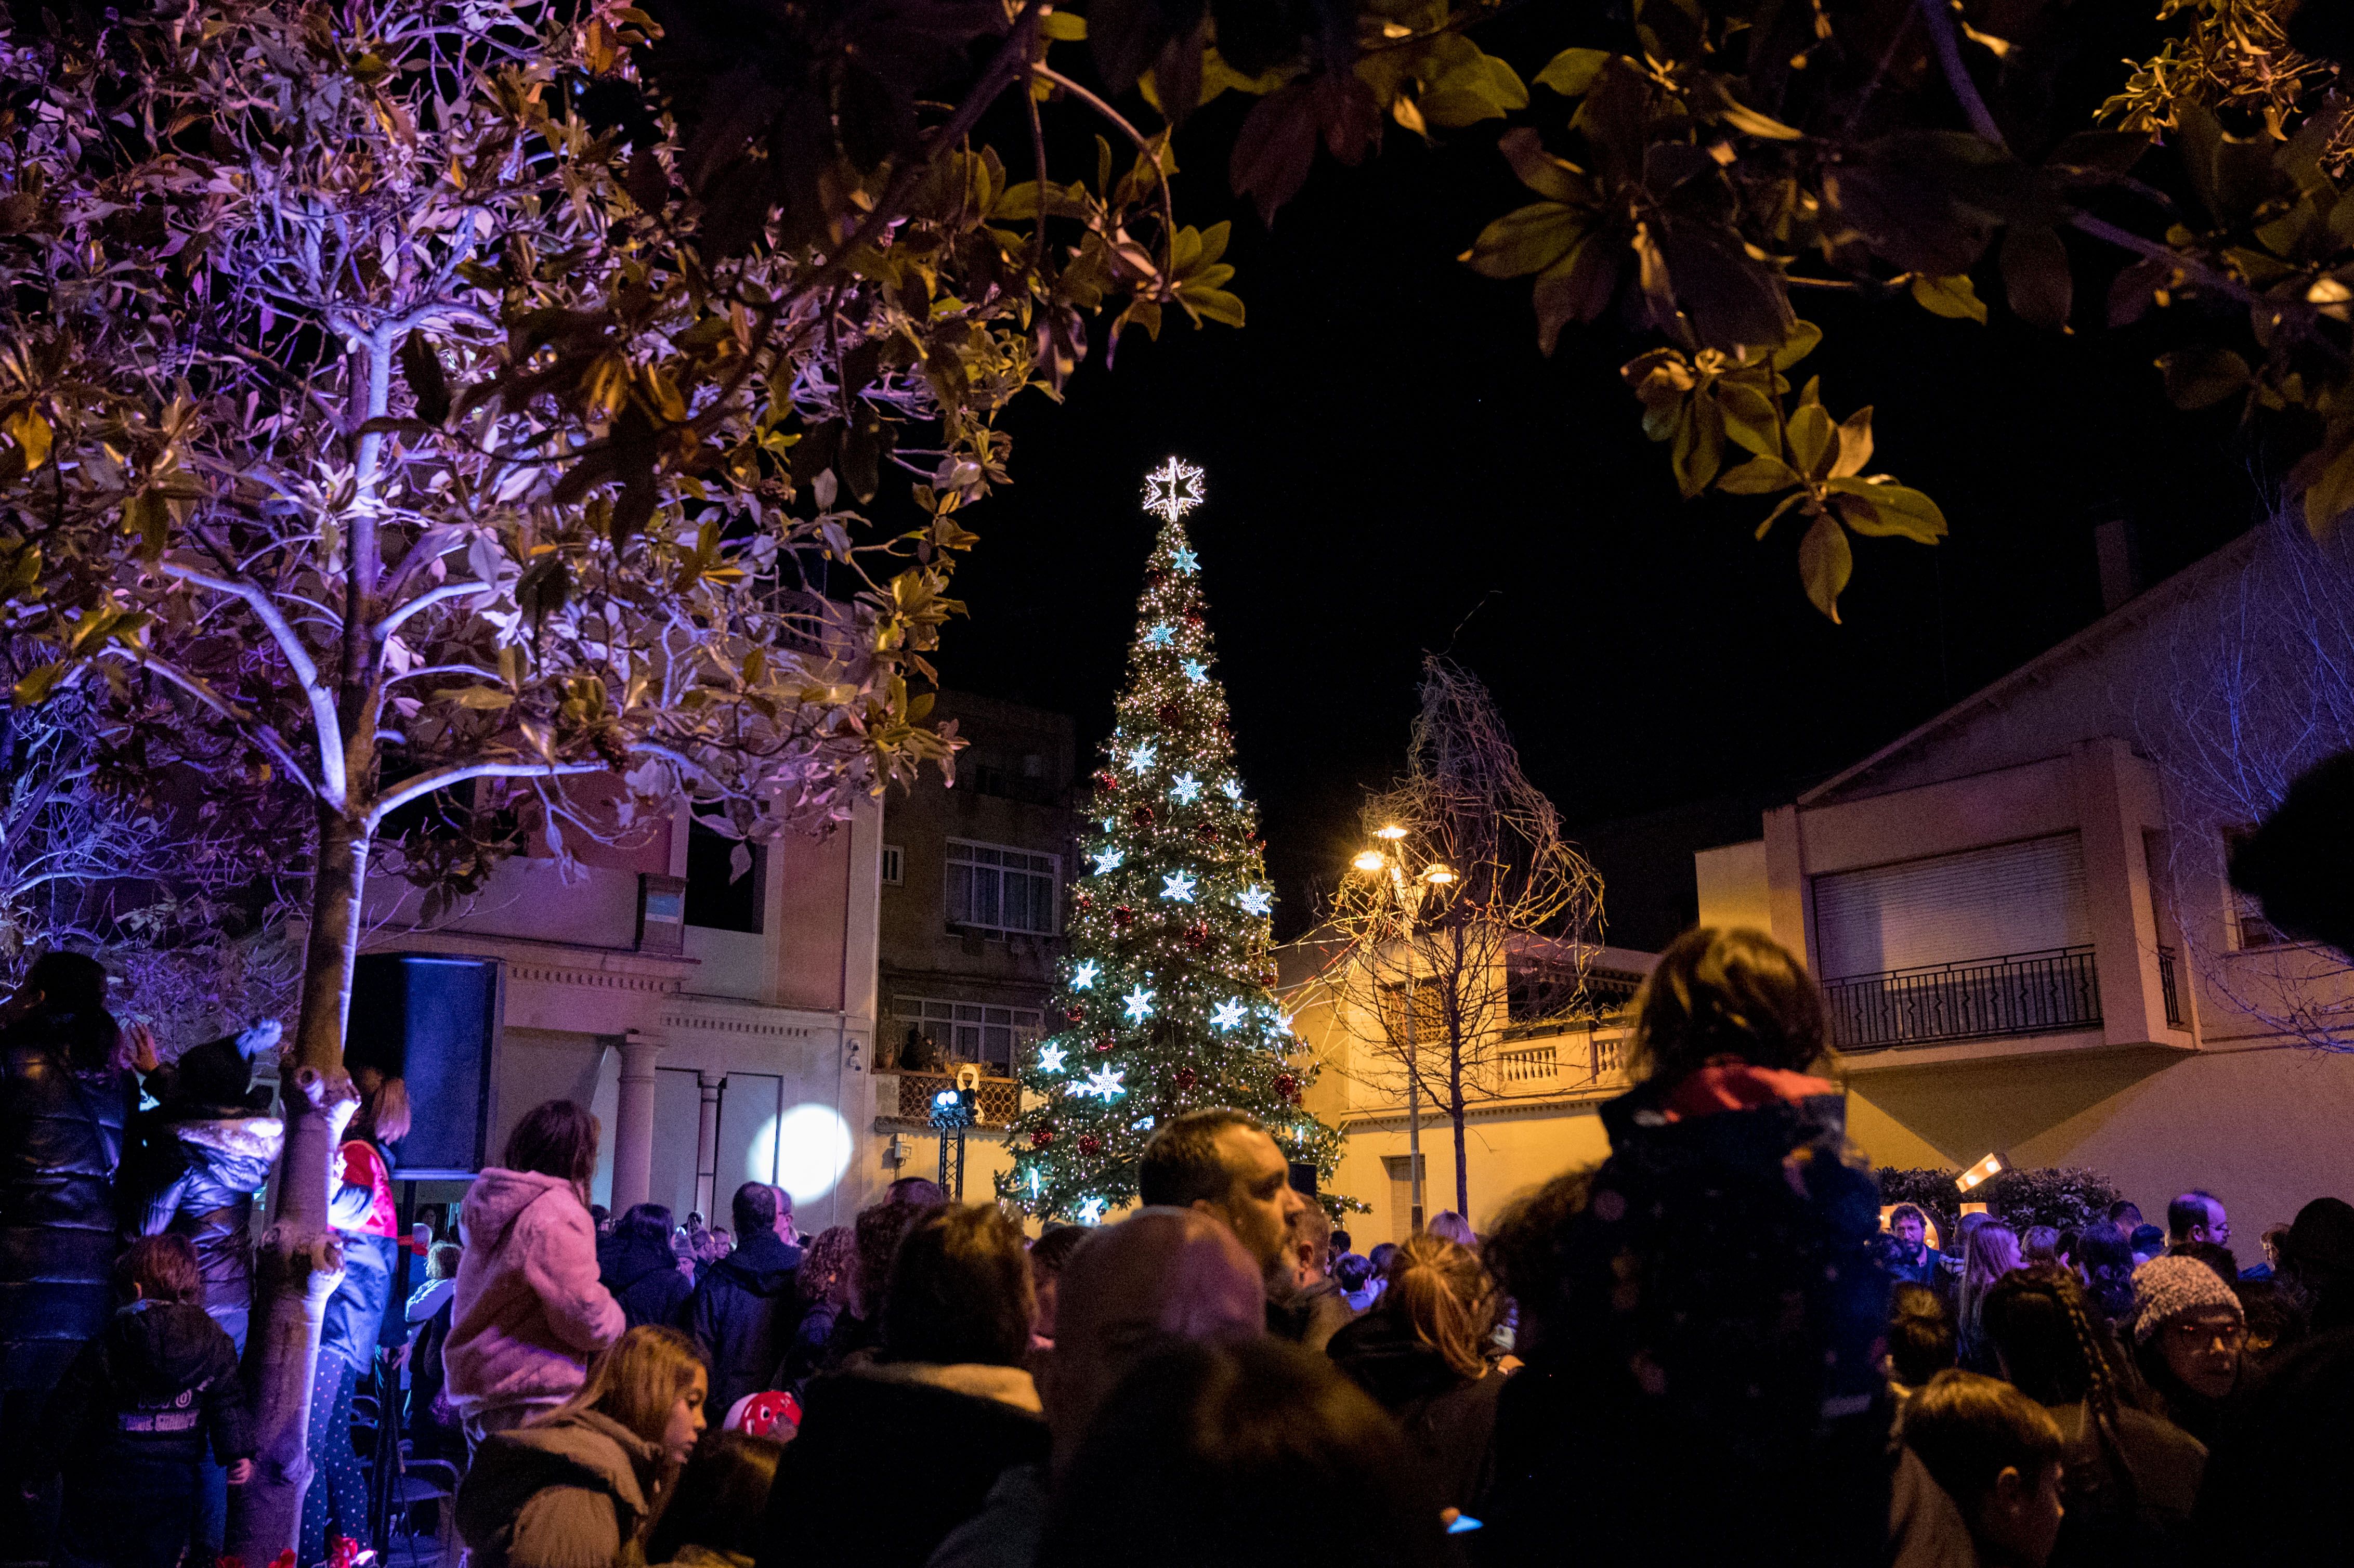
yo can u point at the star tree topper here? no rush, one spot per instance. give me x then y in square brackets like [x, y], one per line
[1172, 490]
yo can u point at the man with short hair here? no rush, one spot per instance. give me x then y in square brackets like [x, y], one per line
[1917, 1260]
[2197, 1217]
[635, 1263]
[1162, 1276]
[1315, 1309]
[745, 1309]
[1223, 1164]
[2126, 1217]
[2147, 1242]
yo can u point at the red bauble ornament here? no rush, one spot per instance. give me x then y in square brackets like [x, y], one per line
[1090, 1145]
[1192, 617]
[1105, 1042]
[1286, 1084]
[1197, 935]
[1141, 816]
[1184, 1078]
[1171, 716]
[1040, 1137]
[1123, 916]
[1083, 900]
[1076, 1015]
[1155, 576]
[1107, 780]
[1206, 832]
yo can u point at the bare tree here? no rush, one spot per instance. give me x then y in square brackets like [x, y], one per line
[1472, 905]
[2255, 689]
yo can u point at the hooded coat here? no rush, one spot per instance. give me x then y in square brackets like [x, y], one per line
[838, 1503]
[529, 1312]
[1449, 1420]
[155, 1384]
[204, 1163]
[638, 1267]
[743, 1315]
[572, 1491]
[60, 1142]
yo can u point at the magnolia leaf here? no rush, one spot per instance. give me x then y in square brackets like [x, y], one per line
[1955, 296]
[739, 861]
[1749, 418]
[1854, 443]
[38, 683]
[1799, 344]
[1698, 447]
[1554, 179]
[2036, 277]
[1571, 72]
[1577, 288]
[481, 698]
[31, 433]
[2200, 377]
[1887, 510]
[1526, 239]
[1064, 26]
[1758, 476]
[1826, 561]
[2331, 494]
[1812, 436]
[1776, 515]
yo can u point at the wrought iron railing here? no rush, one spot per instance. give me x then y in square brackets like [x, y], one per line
[2168, 987]
[999, 1097]
[2026, 994]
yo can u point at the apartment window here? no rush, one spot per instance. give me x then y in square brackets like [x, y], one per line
[895, 864]
[968, 1031]
[719, 897]
[2249, 927]
[992, 888]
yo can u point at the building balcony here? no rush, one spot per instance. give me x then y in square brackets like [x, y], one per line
[907, 1097]
[2048, 993]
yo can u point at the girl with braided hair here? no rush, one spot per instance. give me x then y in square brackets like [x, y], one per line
[2130, 1478]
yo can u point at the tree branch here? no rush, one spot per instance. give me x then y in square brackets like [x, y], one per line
[441, 778]
[1160, 167]
[333, 786]
[1938, 17]
[261, 736]
[391, 623]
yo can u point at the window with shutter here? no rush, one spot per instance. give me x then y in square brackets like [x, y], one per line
[1982, 903]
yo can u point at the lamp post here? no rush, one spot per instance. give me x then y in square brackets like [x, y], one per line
[1387, 861]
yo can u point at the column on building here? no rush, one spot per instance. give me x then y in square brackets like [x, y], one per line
[633, 1129]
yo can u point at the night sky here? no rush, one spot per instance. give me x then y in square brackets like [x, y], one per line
[1393, 468]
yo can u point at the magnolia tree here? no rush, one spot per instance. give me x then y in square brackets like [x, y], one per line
[1471, 912]
[2255, 688]
[416, 404]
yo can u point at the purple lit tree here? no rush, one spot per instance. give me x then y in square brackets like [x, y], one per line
[422, 408]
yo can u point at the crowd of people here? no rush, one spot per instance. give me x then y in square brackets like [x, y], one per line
[1709, 1347]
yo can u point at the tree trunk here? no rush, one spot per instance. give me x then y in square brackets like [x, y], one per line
[301, 1259]
[1455, 1114]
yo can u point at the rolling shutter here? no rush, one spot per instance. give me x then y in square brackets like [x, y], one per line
[1956, 908]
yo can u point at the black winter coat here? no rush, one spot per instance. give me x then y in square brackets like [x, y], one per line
[643, 1274]
[838, 1502]
[1449, 1420]
[156, 1384]
[200, 1166]
[60, 1142]
[743, 1315]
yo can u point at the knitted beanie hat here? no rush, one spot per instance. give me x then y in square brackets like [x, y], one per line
[2165, 1287]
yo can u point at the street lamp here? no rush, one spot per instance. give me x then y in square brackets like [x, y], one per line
[1408, 892]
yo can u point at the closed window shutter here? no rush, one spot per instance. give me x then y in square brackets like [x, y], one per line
[1956, 908]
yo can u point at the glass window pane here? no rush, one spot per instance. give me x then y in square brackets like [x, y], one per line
[959, 893]
[984, 897]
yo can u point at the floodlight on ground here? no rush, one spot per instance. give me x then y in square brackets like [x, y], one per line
[1985, 1169]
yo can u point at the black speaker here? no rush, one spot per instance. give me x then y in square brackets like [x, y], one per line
[1303, 1177]
[433, 1021]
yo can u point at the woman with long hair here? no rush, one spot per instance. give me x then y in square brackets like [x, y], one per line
[1421, 1353]
[1991, 1253]
[2130, 1478]
[530, 1310]
[713, 1517]
[2104, 1263]
[578, 1485]
[823, 1283]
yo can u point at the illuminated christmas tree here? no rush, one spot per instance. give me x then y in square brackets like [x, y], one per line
[1163, 1004]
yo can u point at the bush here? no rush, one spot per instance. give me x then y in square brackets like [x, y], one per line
[2064, 1197]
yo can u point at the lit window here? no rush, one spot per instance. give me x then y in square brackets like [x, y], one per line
[968, 1031]
[993, 888]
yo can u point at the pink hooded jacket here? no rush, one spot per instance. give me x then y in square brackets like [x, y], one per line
[530, 1311]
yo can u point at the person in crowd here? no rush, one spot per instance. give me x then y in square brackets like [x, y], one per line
[2219, 1259]
[2268, 1262]
[2104, 1264]
[1916, 1260]
[1340, 1246]
[1707, 1292]
[192, 1168]
[1920, 1334]
[1993, 1252]
[1223, 1162]
[857, 1334]
[1423, 1356]
[367, 1223]
[713, 1517]
[529, 1312]
[66, 1095]
[2197, 1217]
[1448, 1225]
[2278, 1320]
[635, 1263]
[1313, 1309]
[2148, 1241]
[2039, 1244]
[949, 1382]
[2188, 1333]
[130, 1421]
[1048, 1254]
[2131, 1477]
[1239, 1438]
[2317, 1258]
[921, 1192]
[743, 1315]
[1998, 1454]
[2124, 1218]
[1160, 1277]
[578, 1486]
[1353, 1273]
[602, 1218]
[823, 1283]
[2276, 1471]
[1379, 1256]
[433, 1427]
